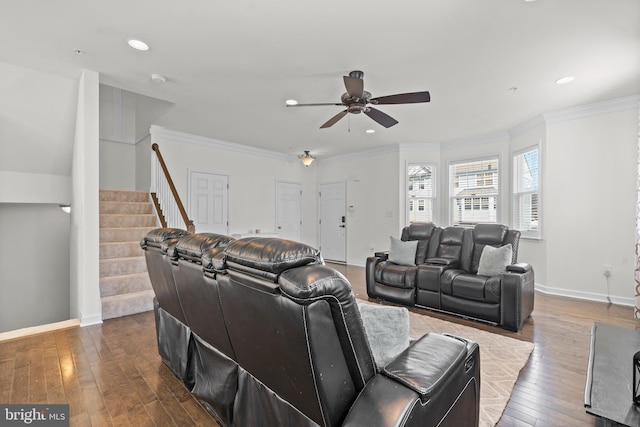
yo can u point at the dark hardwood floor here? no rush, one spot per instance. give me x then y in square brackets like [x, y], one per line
[111, 374]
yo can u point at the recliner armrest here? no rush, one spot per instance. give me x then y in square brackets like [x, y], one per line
[520, 268]
[428, 364]
[382, 255]
[417, 385]
[442, 261]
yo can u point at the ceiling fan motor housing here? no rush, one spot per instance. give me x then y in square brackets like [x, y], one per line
[356, 105]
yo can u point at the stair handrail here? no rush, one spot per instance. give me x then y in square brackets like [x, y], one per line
[168, 208]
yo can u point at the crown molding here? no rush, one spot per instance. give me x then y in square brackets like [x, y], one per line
[610, 106]
[488, 138]
[526, 126]
[419, 146]
[177, 136]
[360, 154]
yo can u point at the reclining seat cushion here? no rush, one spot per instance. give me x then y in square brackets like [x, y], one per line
[394, 275]
[477, 288]
[479, 295]
[404, 276]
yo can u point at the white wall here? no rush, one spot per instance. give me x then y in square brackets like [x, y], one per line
[252, 178]
[590, 197]
[117, 165]
[37, 119]
[34, 265]
[143, 164]
[85, 270]
[372, 180]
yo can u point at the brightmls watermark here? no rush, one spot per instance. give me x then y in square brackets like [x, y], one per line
[37, 415]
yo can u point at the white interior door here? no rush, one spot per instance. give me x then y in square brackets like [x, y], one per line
[333, 221]
[288, 210]
[209, 202]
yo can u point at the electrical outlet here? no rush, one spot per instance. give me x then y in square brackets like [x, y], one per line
[606, 270]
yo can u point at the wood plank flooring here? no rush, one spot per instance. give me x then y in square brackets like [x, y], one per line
[111, 374]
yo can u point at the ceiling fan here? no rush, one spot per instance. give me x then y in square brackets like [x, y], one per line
[357, 100]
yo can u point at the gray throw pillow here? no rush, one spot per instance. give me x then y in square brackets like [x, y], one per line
[494, 261]
[403, 253]
[387, 330]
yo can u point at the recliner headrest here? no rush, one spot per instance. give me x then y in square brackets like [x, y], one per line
[418, 231]
[158, 237]
[270, 254]
[490, 234]
[193, 246]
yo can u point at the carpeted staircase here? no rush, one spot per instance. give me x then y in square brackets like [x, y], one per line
[125, 218]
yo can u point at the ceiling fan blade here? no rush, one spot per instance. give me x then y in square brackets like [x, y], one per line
[380, 117]
[314, 105]
[332, 121]
[403, 98]
[355, 86]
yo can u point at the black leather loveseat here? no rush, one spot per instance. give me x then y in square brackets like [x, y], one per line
[275, 338]
[450, 273]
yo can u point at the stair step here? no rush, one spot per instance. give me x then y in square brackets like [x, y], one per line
[123, 196]
[120, 249]
[126, 304]
[125, 218]
[109, 234]
[119, 266]
[116, 285]
[127, 221]
[131, 208]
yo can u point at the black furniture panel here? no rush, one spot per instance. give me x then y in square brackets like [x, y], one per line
[448, 280]
[275, 338]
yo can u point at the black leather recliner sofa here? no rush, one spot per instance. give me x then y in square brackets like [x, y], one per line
[286, 346]
[448, 279]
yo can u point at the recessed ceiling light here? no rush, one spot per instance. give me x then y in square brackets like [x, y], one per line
[291, 102]
[138, 44]
[370, 131]
[567, 79]
[158, 78]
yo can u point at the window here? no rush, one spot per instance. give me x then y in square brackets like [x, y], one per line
[421, 192]
[526, 192]
[474, 191]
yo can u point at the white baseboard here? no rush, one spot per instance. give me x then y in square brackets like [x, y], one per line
[91, 320]
[585, 295]
[34, 330]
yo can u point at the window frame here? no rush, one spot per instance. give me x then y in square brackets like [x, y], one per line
[526, 234]
[416, 188]
[454, 182]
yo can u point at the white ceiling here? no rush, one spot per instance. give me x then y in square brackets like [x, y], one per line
[231, 65]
